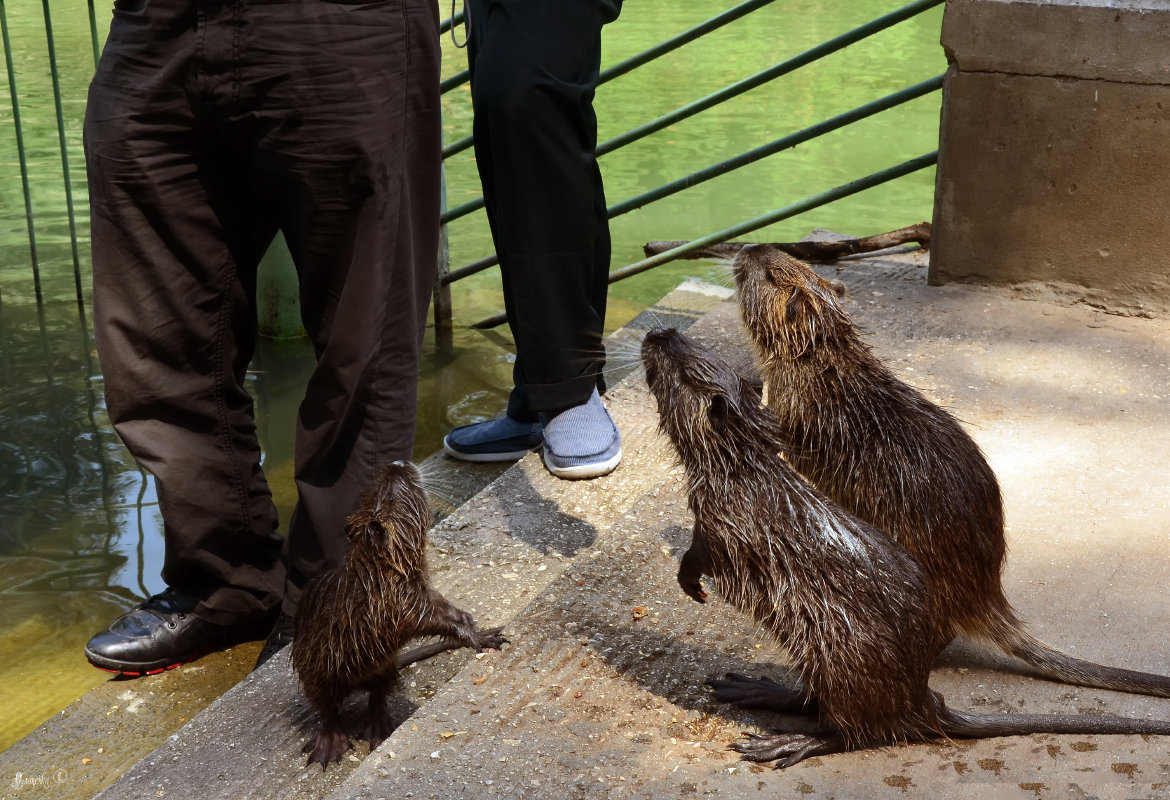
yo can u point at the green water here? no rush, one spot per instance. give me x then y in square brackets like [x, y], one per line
[79, 532]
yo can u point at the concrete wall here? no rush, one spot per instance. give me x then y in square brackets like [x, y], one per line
[1054, 159]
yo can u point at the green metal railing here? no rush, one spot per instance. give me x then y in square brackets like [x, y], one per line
[448, 276]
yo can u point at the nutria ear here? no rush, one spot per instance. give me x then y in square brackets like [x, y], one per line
[717, 412]
[838, 287]
[795, 304]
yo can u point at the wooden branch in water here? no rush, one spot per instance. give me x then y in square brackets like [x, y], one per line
[808, 251]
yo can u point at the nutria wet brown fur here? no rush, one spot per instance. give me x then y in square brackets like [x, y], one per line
[885, 453]
[352, 620]
[847, 602]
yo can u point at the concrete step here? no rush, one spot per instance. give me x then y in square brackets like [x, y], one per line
[522, 530]
[600, 692]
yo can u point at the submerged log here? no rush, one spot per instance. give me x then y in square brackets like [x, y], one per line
[808, 251]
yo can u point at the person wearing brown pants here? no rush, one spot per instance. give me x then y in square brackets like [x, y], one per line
[212, 124]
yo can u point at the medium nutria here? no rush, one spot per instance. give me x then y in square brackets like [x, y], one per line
[352, 620]
[846, 601]
[885, 453]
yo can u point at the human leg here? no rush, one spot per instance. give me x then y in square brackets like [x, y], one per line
[175, 246]
[347, 153]
[534, 71]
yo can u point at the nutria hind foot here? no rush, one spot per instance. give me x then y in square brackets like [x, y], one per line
[762, 693]
[330, 744]
[786, 749]
[377, 725]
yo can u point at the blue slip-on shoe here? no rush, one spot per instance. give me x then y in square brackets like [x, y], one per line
[501, 439]
[582, 441]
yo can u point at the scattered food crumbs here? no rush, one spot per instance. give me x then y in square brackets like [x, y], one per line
[639, 612]
[479, 680]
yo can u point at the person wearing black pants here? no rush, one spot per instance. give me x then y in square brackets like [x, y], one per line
[534, 69]
[211, 124]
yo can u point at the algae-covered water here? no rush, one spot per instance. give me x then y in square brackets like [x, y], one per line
[80, 537]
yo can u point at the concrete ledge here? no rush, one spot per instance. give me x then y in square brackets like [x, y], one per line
[1052, 151]
[1113, 40]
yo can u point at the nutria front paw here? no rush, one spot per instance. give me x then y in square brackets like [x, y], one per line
[491, 639]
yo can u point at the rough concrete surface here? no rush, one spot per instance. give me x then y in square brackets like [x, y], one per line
[600, 691]
[590, 701]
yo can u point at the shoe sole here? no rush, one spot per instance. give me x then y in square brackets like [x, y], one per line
[484, 458]
[131, 670]
[579, 471]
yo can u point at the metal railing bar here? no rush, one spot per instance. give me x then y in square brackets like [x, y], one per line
[457, 146]
[675, 42]
[764, 76]
[450, 22]
[784, 143]
[762, 221]
[72, 217]
[97, 49]
[751, 156]
[780, 214]
[452, 214]
[741, 87]
[454, 82]
[21, 157]
[629, 64]
[470, 269]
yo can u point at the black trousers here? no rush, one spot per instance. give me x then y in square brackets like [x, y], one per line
[534, 66]
[210, 125]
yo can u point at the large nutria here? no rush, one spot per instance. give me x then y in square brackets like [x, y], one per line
[352, 620]
[846, 601]
[885, 453]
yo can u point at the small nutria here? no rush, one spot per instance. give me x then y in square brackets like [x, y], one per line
[352, 620]
[846, 601]
[885, 453]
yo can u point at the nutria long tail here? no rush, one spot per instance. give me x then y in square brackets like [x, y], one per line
[962, 725]
[1008, 634]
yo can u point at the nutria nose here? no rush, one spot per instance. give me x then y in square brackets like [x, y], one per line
[399, 464]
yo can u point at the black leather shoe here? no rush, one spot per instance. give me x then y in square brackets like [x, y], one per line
[161, 633]
[278, 639]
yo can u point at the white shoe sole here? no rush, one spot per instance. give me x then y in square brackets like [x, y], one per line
[585, 470]
[484, 458]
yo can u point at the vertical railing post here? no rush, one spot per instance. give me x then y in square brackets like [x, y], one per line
[20, 154]
[97, 49]
[442, 291]
[72, 217]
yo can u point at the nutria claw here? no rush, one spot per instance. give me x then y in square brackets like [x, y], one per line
[327, 746]
[491, 639]
[785, 749]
